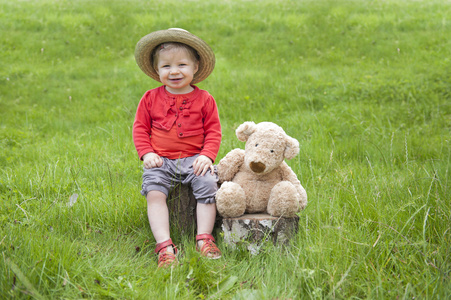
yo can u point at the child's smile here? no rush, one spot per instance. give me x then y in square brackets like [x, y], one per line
[176, 70]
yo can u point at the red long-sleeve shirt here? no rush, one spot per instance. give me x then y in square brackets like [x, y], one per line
[195, 115]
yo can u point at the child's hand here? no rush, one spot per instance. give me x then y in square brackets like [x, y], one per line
[202, 164]
[152, 160]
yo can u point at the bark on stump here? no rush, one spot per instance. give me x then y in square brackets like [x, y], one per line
[182, 209]
[254, 229]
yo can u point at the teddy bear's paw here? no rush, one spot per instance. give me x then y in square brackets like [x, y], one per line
[230, 164]
[284, 200]
[230, 200]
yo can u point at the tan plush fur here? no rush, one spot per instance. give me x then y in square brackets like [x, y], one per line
[258, 179]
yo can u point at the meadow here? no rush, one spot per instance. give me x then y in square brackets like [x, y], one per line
[365, 86]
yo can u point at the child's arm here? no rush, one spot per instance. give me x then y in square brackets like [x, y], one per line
[212, 127]
[142, 126]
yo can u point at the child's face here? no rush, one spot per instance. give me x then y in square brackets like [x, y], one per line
[176, 70]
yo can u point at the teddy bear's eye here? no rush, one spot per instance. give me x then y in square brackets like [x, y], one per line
[272, 151]
[256, 145]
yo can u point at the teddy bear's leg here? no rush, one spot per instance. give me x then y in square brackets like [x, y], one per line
[283, 200]
[230, 200]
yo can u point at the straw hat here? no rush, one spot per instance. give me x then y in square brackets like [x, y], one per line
[145, 47]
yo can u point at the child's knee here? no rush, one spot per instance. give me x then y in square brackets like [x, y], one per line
[205, 188]
[207, 181]
[156, 196]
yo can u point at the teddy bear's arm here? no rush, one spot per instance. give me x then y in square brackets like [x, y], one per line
[288, 175]
[230, 164]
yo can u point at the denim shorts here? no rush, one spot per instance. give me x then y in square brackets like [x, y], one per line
[174, 171]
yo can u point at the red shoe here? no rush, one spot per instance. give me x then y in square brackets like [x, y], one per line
[166, 258]
[209, 248]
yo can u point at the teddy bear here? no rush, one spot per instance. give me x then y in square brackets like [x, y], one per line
[257, 179]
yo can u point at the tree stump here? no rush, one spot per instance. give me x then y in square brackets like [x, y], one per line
[182, 209]
[254, 229]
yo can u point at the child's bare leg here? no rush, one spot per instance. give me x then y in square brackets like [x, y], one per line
[158, 214]
[206, 216]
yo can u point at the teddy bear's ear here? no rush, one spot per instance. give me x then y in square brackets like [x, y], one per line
[244, 131]
[292, 148]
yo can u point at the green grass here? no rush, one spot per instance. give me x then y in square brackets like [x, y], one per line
[365, 86]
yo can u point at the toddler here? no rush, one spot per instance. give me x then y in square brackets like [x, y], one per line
[177, 134]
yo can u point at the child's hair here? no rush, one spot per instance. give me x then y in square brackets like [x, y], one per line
[169, 46]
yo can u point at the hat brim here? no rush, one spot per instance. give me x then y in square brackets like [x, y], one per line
[145, 47]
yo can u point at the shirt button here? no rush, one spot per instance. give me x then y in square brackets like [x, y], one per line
[181, 108]
[179, 124]
[181, 134]
[184, 102]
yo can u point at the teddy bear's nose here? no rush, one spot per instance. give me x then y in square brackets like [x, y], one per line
[257, 167]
